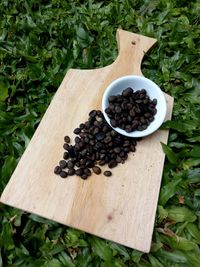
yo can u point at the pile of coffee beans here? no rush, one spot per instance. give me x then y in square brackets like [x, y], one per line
[96, 144]
[131, 111]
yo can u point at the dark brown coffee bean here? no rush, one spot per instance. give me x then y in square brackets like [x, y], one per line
[89, 164]
[96, 130]
[70, 164]
[113, 133]
[135, 124]
[87, 171]
[154, 101]
[84, 176]
[63, 174]
[82, 126]
[154, 111]
[118, 159]
[100, 136]
[118, 109]
[108, 110]
[113, 123]
[96, 170]
[117, 150]
[107, 173]
[132, 148]
[93, 113]
[132, 113]
[65, 155]
[102, 162]
[128, 129]
[127, 92]
[71, 172]
[57, 170]
[79, 172]
[108, 139]
[147, 115]
[77, 164]
[63, 164]
[77, 130]
[112, 163]
[140, 128]
[112, 98]
[67, 139]
[151, 119]
[66, 146]
[77, 140]
[71, 152]
[143, 91]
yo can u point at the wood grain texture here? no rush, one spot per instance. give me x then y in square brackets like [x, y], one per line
[120, 208]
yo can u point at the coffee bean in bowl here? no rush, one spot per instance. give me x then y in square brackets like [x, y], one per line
[134, 106]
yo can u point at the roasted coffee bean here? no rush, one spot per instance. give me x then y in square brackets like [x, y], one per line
[154, 101]
[77, 130]
[112, 98]
[96, 170]
[118, 159]
[132, 148]
[89, 164]
[87, 171]
[118, 109]
[66, 146]
[65, 155]
[93, 113]
[113, 123]
[77, 164]
[77, 139]
[117, 150]
[57, 170]
[82, 126]
[63, 164]
[128, 129]
[127, 92]
[112, 163]
[71, 151]
[151, 119]
[70, 164]
[102, 162]
[107, 173]
[96, 130]
[67, 139]
[107, 110]
[100, 136]
[79, 172]
[84, 176]
[63, 174]
[71, 172]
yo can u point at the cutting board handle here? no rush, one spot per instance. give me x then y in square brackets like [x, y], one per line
[132, 48]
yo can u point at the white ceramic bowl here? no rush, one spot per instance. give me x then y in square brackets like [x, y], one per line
[137, 83]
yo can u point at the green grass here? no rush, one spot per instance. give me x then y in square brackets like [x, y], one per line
[39, 42]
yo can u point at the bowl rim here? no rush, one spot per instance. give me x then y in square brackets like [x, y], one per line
[160, 97]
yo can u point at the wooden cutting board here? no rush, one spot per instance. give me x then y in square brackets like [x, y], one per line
[120, 208]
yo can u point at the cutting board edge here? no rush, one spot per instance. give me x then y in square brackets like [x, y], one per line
[145, 250]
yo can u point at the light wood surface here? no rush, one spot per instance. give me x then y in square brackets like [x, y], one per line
[120, 208]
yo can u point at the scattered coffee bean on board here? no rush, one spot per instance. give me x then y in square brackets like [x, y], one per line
[57, 170]
[67, 139]
[96, 144]
[63, 164]
[96, 170]
[107, 173]
[131, 111]
[63, 174]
